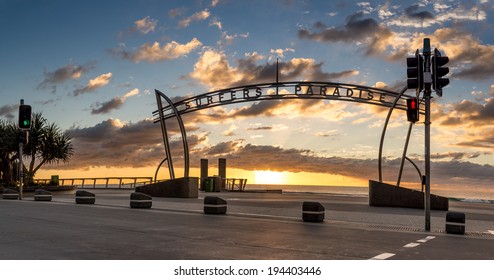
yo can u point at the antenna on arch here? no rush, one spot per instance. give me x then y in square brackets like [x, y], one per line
[277, 78]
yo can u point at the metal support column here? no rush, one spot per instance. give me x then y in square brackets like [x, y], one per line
[164, 132]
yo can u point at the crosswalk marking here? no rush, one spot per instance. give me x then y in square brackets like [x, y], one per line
[383, 256]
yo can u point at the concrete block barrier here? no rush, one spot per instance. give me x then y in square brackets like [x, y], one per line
[84, 197]
[214, 205]
[42, 195]
[312, 212]
[140, 200]
[455, 222]
[10, 194]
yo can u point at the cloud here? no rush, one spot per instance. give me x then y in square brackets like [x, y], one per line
[93, 84]
[275, 158]
[113, 143]
[156, 52]
[227, 39]
[281, 52]
[413, 13]
[357, 29]
[62, 74]
[113, 104]
[9, 111]
[214, 70]
[216, 22]
[118, 144]
[202, 15]
[173, 13]
[145, 25]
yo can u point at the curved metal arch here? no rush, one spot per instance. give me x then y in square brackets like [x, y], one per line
[301, 90]
[160, 95]
[183, 106]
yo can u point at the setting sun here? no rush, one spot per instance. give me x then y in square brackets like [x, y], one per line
[269, 177]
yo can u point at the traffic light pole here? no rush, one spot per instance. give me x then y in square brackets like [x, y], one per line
[427, 99]
[21, 165]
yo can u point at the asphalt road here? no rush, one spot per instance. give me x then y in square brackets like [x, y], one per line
[256, 227]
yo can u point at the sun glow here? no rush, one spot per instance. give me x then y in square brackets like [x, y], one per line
[269, 177]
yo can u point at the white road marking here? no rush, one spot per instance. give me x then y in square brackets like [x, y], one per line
[411, 245]
[426, 239]
[491, 231]
[383, 256]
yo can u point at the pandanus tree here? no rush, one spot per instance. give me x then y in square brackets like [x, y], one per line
[46, 144]
[9, 143]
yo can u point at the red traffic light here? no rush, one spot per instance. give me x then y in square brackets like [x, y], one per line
[412, 110]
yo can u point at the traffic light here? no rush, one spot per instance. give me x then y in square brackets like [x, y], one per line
[439, 71]
[412, 110]
[415, 71]
[24, 116]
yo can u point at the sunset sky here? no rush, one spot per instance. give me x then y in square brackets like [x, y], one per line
[92, 67]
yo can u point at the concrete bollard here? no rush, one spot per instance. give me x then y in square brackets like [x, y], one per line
[84, 197]
[312, 212]
[42, 195]
[140, 200]
[214, 205]
[455, 222]
[10, 194]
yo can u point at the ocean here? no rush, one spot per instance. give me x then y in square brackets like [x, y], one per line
[473, 194]
[477, 194]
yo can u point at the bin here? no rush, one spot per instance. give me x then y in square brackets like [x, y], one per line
[208, 184]
[54, 180]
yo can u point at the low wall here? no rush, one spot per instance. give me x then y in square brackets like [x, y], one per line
[382, 194]
[181, 187]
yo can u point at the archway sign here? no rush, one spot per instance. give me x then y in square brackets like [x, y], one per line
[269, 92]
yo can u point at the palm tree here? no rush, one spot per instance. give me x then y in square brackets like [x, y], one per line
[9, 143]
[46, 144]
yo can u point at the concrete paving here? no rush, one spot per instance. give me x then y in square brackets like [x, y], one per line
[256, 226]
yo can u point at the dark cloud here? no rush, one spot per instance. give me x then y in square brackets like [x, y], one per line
[413, 13]
[60, 75]
[9, 111]
[455, 155]
[260, 128]
[263, 157]
[108, 106]
[112, 143]
[356, 28]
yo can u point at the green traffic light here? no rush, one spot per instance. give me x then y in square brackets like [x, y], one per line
[26, 123]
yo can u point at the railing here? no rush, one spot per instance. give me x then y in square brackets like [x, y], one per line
[234, 184]
[122, 181]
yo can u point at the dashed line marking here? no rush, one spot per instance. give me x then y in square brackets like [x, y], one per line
[411, 245]
[383, 256]
[426, 239]
[491, 231]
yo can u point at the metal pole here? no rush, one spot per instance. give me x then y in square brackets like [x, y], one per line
[21, 167]
[404, 154]
[21, 173]
[381, 143]
[427, 97]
